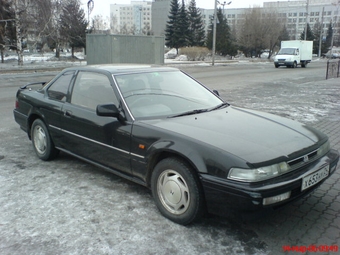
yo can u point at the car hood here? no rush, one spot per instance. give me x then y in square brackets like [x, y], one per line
[251, 135]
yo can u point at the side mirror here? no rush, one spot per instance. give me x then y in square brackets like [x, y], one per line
[216, 92]
[107, 110]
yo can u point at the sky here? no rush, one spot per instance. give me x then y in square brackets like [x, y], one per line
[102, 7]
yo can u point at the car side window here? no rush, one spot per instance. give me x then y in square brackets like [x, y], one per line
[58, 90]
[91, 89]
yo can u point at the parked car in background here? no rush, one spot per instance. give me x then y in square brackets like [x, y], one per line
[160, 128]
[334, 53]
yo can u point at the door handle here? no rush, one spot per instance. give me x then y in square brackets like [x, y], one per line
[68, 113]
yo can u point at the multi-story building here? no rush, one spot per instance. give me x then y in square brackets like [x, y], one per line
[294, 14]
[134, 18]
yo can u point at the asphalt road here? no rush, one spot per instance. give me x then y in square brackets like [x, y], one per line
[69, 207]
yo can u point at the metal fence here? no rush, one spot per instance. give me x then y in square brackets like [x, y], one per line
[333, 69]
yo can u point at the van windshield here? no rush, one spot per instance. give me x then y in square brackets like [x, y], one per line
[287, 51]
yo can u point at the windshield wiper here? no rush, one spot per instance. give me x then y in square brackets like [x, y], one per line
[225, 104]
[189, 113]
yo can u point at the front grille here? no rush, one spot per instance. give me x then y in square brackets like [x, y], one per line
[298, 162]
[282, 60]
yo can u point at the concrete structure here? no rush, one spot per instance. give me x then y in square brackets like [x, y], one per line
[107, 49]
[134, 18]
[160, 13]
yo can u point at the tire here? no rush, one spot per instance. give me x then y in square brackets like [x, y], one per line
[42, 142]
[276, 66]
[177, 191]
[294, 65]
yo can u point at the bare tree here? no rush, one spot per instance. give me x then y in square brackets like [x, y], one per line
[260, 30]
[43, 16]
[7, 31]
[100, 24]
[21, 9]
[114, 24]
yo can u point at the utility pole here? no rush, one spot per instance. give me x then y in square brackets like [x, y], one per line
[321, 32]
[306, 20]
[214, 34]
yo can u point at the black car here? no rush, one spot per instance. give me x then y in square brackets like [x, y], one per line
[159, 127]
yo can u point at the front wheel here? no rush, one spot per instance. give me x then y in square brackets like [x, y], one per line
[41, 140]
[177, 191]
[294, 65]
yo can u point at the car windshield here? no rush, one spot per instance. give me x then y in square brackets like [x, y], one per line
[165, 94]
[286, 51]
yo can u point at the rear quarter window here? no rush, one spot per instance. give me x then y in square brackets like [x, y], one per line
[58, 90]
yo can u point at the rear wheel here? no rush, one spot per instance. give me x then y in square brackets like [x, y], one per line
[177, 191]
[41, 140]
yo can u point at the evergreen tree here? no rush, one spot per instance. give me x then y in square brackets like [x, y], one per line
[224, 43]
[196, 36]
[317, 31]
[171, 36]
[73, 25]
[176, 31]
[329, 36]
[182, 26]
[310, 36]
[284, 34]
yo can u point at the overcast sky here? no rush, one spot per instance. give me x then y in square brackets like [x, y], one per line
[102, 7]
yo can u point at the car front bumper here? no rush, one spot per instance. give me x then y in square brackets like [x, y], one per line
[284, 63]
[225, 196]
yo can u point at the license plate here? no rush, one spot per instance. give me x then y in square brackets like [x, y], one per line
[315, 177]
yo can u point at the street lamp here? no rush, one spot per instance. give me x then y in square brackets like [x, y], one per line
[224, 3]
[306, 25]
[214, 31]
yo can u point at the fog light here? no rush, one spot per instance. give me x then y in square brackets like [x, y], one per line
[276, 199]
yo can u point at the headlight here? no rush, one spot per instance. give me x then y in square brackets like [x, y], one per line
[267, 172]
[324, 149]
[258, 174]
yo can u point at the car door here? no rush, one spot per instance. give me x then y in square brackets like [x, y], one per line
[103, 140]
[51, 108]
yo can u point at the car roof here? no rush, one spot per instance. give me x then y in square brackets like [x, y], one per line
[124, 68]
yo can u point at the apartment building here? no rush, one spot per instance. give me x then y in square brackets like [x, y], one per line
[134, 18]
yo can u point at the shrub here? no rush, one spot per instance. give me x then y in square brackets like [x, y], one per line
[195, 53]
